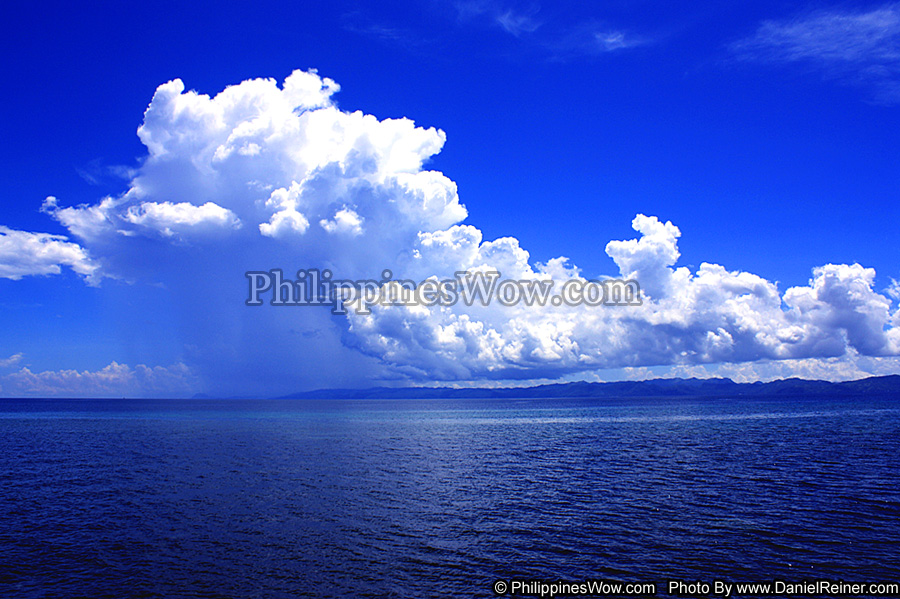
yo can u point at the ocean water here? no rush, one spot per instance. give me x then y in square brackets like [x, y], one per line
[441, 498]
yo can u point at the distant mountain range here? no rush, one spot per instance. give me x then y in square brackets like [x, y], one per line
[718, 387]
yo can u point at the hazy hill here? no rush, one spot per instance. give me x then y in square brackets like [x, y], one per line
[881, 385]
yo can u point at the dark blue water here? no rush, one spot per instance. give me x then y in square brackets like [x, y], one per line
[440, 498]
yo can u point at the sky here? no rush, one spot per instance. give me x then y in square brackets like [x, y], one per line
[740, 162]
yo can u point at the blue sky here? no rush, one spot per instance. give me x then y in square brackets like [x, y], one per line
[765, 133]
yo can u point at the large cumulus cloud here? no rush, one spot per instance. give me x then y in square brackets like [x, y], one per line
[276, 167]
[265, 176]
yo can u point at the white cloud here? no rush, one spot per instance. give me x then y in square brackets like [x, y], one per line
[592, 38]
[10, 361]
[85, 221]
[894, 289]
[23, 253]
[285, 219]
[276, 159]
[649, 258]
[858, 47]
[612, 40]
[517, 23]
[840, 298]
[170, 219]
[703, 317]
[114, 380]
[589, 38]
[316, 187]
[513, 20]
[346, 221]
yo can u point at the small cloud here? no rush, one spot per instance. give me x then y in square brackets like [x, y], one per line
[517, 23]
[611, 41]
[860, 48]
[11, 361]
[894, 289]
[593, 39]
[285, 219]
[585, 38]
[345, 221]
[170, 219]
[23, 253]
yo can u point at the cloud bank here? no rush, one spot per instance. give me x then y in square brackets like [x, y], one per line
[709, 316]
[114, 380]
[264, 176]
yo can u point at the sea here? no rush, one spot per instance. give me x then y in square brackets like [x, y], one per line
[447, 497]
